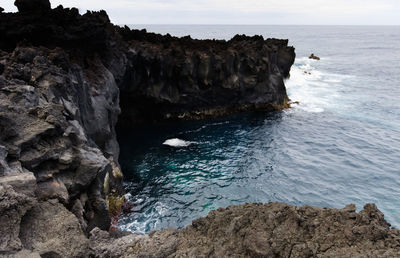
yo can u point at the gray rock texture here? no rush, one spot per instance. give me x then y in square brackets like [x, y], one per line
[264, 230]
[58, 125]
[16, 198]
[50, 229]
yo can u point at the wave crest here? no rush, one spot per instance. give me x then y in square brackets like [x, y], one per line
[178, 143]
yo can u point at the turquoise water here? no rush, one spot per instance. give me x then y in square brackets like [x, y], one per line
[340, 145]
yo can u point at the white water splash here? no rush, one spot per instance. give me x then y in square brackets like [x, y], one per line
[315, 90]
[175, 142]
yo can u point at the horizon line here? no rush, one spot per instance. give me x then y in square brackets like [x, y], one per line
[228, 24]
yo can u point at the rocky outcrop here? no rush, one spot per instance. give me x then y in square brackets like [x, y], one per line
[28, 6]
[50, 229]
[59, 104]
[312, 56]
[182, 78]
[57, 121]
[264, 230]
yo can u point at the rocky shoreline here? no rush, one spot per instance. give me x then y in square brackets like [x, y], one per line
[68, 80]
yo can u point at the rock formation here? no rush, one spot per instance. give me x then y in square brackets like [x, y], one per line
[61, 78]
[312, 56]
[29, 6]
[59, 104]
[170, 78]
[264, 230]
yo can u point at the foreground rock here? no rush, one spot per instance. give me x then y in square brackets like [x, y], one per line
[59, 105]
[269, 230]
[16, 198]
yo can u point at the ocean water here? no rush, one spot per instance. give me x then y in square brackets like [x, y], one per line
[340, 145]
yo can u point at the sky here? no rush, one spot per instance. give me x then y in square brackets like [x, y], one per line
[293, 12]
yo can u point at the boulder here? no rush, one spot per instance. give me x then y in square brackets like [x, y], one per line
[312, 56]
[50, 229]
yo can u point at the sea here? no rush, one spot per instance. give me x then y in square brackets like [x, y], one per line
[339, 145]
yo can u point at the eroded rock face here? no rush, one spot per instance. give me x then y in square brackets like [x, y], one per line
[182, 78]
[58, 110]
[57, 122]
[59, 103]
[265, 230]
[51, 230]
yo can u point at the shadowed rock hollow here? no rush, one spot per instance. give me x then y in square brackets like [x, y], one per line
[64, 79]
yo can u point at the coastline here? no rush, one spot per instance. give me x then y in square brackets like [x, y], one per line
[61, 101]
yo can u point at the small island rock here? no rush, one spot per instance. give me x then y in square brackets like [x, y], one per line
[314, 57]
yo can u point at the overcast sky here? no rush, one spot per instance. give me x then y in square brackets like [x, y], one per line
[301, 12]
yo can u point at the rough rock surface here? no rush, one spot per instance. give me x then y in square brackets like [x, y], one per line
[169, 77]
[58, 123]
[16, 198]
[264, 230]
[59, 104]
[50, 229]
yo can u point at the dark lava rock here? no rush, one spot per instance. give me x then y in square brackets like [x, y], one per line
[184, 78]
[59, 27]
[32, 6]
[312, 56]
[58, 110]
[1, 9]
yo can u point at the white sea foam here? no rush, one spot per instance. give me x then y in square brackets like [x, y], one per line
[175, 142]
[314, 89]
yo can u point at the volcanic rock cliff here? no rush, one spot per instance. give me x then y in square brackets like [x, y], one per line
[67, 80]
[172, 78]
